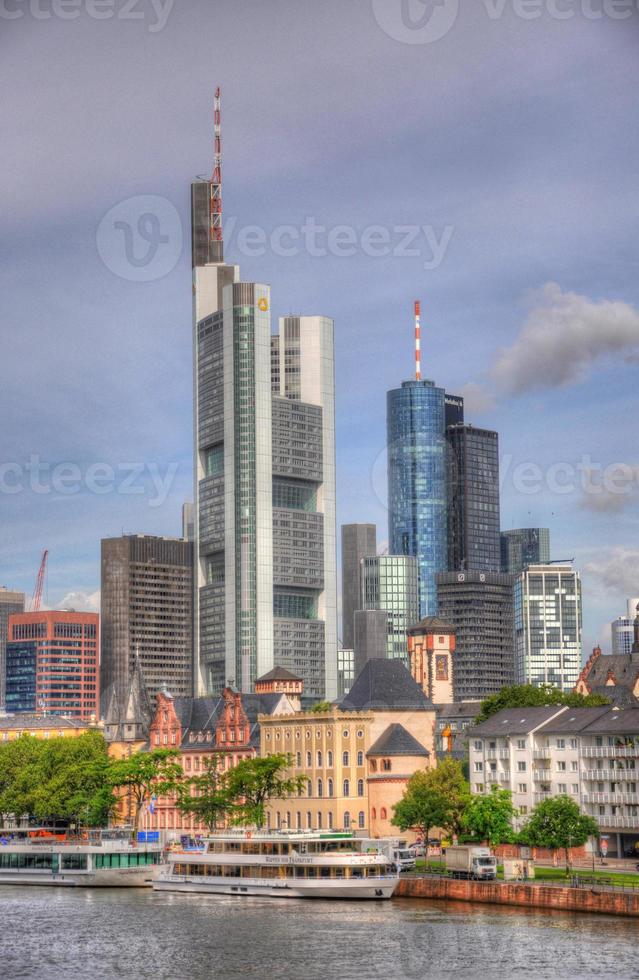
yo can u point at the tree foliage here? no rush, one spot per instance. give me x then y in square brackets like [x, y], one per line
[206, 796]
[558, 824]
[421, 808]
[253, 782]
[434, 798]
[530, 696]
[59, 779]
[490, 817]
[144, 774]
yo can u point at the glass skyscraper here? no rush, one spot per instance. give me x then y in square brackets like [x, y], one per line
[473, 515]
[548, 626]
[389, 584]
[417, 482]
[524, 546]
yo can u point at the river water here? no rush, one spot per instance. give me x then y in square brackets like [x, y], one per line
[51, 934]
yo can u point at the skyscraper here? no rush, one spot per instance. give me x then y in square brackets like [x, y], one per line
[147, 611]
[10, 602]
[52, 663]
[548, 626]
[623, 629]
[524, 546]
[358, 541]
[473, 487]
[389, 583]
[479, 605]
[264, 475]
[417, 482]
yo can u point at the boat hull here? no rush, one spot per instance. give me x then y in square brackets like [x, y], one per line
[107, 878]
[247, 887]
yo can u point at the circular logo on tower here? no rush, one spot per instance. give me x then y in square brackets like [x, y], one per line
[262, 304]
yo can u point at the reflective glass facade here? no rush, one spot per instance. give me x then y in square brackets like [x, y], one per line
[417, 482]
[389, 584]
[524, 546]
[473, 516]
[548, 626]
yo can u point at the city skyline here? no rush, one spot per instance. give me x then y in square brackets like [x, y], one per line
[474, 300]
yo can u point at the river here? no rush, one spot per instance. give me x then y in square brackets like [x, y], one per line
[73, 934]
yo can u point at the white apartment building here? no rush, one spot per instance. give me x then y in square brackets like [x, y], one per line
[589, 754]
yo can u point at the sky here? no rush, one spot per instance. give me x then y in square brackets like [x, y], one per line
[480, 155]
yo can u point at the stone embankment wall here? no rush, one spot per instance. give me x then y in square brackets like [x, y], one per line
[530, 896]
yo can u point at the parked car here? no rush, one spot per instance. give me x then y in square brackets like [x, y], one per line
[417, 850]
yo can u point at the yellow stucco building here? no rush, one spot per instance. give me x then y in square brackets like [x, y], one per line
[358, 756]
[41, 726]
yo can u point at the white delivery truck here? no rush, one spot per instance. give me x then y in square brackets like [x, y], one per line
[397, 851]
[468, 861]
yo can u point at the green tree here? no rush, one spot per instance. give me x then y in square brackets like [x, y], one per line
[253, 782]
[144, 774]
[206, 796]
[18, 775]
[490, 817]
[321, 707]
[448, 779]
[530, 696]
[558, 824]
[422, 807]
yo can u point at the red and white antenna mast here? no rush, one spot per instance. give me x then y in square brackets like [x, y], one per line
[418, 340]
[216, 178]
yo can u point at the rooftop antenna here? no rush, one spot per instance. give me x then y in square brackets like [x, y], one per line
[418, 337]
[215, 232]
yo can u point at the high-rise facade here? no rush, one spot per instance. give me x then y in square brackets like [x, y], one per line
[473, 489]
[417, 482]
[52, 664]
[548, 626]
[358, 541]
[147, 613]
[10, 602]
[479, 606]
[265, 591]
[524, 546]
[390, 584]
[623, 629]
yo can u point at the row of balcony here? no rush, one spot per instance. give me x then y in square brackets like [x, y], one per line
[605, 823]
[610, 751]
[618, 775]
[611, 798]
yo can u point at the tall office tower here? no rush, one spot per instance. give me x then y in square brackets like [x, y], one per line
[622, 629]
[10, 602]
[188, 522]
[548, 626]
[147, 612]
[453, 410]
[390, 584]
[417, 482]
[52, 663]
[358, 541]
[473, 511]
[522, 547]
[265, 591]
[479, 605]
[371, 637]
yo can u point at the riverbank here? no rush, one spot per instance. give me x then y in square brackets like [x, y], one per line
[566, 899]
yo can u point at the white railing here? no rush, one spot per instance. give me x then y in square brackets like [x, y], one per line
[491, 777]
[542, 775]
[504, 777]
[539, 797]
[618, 775]
[610, 751]
[541, 753]
[632, 798]
[606, 823]
[504, 753]
[491, 753]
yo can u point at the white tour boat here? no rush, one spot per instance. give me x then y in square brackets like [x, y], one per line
[282, 864]
[98, 859]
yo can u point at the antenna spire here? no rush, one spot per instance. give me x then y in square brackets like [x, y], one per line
[216, 180]
[418, 338]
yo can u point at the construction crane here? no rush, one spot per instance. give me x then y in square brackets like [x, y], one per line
[36, 600]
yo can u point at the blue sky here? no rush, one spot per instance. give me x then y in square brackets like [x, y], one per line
[513, 142]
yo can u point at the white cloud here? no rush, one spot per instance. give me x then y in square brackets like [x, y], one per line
[616, 570]
[81, 601]
[564, 336]
[477, 398]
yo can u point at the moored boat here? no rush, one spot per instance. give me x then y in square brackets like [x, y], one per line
[282, 864]
[97, 859]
